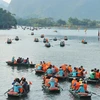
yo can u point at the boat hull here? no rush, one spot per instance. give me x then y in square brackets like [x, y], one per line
[51, 90]
[93, 81]
[20, 64]
[61, 78]
[39, 72]
[80, 95]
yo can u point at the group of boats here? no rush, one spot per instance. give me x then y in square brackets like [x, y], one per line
[69, 77]
[9, 41]
[56, 89]
[46, 40]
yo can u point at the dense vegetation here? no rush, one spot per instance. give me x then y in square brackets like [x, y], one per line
[72, 22]
[40, 22]
[7, 20]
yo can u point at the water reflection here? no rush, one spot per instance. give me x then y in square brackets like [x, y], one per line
[17, 98]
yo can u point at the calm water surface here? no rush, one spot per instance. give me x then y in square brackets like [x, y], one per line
[74, 53]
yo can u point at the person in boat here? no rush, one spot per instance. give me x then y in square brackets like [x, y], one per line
[44, 66]
[19, 60]
[46, 81]
[74, 73]
[97, 75]
[13, 59]
[27, 61]
[85, 85]
[69, 69]
[95, 69]
[53, 69]
[81, 89]
[80, 81]
[84, 73]
[39, 66]
[64, 67]
[60, 72]
[16, 80]
[52, 82]
[24, 84]
[83, 40]
[77, 85]
[17, 87]
[79, 72]
[49, 71]
[73, 83]
[92, 74]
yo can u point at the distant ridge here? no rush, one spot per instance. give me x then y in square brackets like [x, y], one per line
[57, 9]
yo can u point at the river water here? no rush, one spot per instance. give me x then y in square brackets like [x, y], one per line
[74, 53]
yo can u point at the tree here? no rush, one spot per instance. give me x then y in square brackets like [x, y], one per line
[61, 22]
[7, 20]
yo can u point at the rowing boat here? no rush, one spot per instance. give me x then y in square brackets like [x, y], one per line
[51, 90]
[93, 81]
[39, 72]
[19, 64]
[86, 95]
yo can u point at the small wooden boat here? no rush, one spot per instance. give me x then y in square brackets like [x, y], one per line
[32, 33]
[65, 38]
[11, 93]
[55, 30]
[51, 90]
[55, 39]
[20, 64]
[47, 45]
[84, 42]
[80, 95]
[62, 43]
[16, 38]
[9, 41]
[49, 75]
[36, 40]
[70, 77]
[42, 36]
[93, 81]
[39, 72]
[44, 40]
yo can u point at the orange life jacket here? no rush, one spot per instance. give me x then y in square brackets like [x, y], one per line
[72, 84]
[69, 68]
[79, 73]
[21, 90]
[47, 82]
[77, 85]
[85, 87]
[63, 67]
[97, 75]
[44, 67]
[56, 68]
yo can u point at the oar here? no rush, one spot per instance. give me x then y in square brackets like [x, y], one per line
[7, 91]
[95, 94]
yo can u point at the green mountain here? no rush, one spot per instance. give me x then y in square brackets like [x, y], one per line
[57, 9]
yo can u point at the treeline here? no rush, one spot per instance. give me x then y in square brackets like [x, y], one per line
[7, 20]
[72, 22]
[87, 23]
[36, 22]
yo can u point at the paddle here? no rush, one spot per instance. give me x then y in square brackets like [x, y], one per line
[95, 94]
[7, 91]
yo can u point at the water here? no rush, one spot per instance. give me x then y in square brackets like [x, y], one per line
[74, 53]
